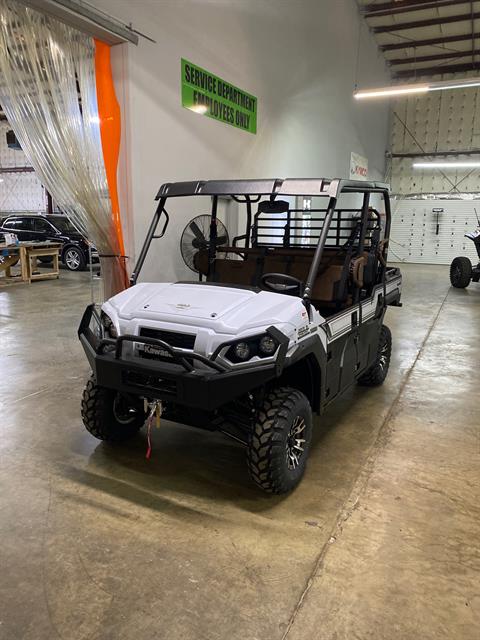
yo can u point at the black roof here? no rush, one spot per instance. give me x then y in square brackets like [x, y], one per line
[273, 186]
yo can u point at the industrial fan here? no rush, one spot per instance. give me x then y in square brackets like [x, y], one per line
[195, 240]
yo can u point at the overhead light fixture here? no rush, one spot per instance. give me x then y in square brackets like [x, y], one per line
[199, 108]
[390, 91]
[446, 165]
[405, 89]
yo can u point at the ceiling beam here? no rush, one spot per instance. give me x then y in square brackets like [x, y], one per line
[17, 169]
[439, 56]
[411, 44]
[430, 22]
[436, 154]
[85, 17]
[434, 71]
[405, 6]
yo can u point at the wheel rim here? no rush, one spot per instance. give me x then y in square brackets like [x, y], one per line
[122, 411]
[383, 358]
[295, 443]
[72, 259]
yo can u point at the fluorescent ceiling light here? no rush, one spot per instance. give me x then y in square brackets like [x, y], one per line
[405, 89]
[446, 165]
[199, 108]
[389, 91]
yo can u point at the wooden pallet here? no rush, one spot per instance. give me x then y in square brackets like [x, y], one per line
[27, 253]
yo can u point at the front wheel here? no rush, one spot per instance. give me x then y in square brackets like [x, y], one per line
[460, 272]
[377, 373]
[74, 259]
[109, 415]
[280, 441]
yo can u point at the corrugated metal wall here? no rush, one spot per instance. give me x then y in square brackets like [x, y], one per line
[414, 236]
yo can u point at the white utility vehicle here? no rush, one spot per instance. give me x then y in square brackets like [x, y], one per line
[280, 323]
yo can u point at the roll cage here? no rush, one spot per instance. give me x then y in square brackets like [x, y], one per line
[250, 192]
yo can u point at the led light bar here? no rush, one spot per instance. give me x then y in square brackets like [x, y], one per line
[405, 89]
[446, 165]
[390, 91]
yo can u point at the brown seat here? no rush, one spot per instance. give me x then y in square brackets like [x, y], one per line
[292, 261]
[235, 271]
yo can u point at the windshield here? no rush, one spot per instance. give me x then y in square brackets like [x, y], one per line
[64, 225]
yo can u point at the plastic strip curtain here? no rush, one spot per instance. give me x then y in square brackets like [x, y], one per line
[48, 93]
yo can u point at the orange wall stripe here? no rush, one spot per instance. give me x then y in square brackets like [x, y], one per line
[110, 132]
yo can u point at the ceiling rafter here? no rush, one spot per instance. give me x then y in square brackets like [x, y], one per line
[438, 56]
[406, 6]
[428, 42]
[435, 71]
[429, 22]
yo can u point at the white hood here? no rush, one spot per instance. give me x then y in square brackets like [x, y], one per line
[223, 309]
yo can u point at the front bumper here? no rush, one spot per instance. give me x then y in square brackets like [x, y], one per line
[180, 381]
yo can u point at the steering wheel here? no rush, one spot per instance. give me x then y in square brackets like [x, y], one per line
[282, 283]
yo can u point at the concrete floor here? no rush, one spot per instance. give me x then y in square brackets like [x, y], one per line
[381, 540]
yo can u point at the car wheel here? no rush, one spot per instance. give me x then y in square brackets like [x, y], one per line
[74, 259]
[109, 415]
[280, 441]
[460, 272]
[377, 373]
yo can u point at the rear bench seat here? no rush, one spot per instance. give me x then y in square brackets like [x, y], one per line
[295, 262]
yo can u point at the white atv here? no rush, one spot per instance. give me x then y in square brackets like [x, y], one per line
[272, 330]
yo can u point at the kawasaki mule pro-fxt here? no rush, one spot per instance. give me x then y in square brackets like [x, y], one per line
[280, 324]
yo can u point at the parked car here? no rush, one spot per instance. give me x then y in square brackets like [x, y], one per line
[36, 227]
[280, 328]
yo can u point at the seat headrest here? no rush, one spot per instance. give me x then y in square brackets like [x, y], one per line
[275, 206]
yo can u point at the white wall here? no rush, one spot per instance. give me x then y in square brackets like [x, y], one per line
[298, 58]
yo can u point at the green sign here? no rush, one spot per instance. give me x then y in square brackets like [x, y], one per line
[211, 96]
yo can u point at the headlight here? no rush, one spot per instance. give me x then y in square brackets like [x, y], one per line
[108, 325]
[243, 350]
[268, 345]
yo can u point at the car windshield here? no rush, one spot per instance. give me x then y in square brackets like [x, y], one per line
[64, 225]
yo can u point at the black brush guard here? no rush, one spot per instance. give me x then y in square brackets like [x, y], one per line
[178, 381]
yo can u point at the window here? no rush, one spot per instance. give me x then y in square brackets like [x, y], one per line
[63, 224]
[19, 224]
[42, 226]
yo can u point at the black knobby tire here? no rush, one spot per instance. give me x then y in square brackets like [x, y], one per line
[272, 440]
[74, 259]
[101, 416]
[460, 272]
[377, 373]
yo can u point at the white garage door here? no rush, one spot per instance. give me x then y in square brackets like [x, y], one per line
[421, 235]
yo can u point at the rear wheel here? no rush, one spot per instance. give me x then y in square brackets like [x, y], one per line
[74, 259]
[279, 444]
[377, 373]
[460, 272]
[109, 415]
